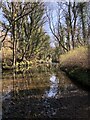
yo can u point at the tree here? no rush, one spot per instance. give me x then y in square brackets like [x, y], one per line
[71, 28]
[12, 13]
[25, 25]
[32, 33]
[57, 29]
[83, 17]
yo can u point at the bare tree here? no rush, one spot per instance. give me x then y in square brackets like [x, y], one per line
[57, 29]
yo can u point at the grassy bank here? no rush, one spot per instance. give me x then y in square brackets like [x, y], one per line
[76, 64]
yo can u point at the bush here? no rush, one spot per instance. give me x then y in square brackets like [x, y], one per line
[75, 64]
[77, 57]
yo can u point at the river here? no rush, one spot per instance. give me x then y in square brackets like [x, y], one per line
[43, 91]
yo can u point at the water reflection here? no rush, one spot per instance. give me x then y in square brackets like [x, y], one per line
[51, 81]
[41, 92]
[53, 87]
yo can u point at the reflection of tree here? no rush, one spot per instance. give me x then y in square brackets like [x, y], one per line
[38, 78]
[14, 77]
[35, 78]
[29, 94]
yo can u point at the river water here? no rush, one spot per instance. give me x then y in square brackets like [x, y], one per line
[43, 91]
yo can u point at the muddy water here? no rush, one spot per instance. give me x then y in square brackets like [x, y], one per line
[43, 92]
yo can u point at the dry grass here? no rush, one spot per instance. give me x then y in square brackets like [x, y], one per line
[77, 57]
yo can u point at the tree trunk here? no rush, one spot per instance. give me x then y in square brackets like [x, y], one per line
[83, 25]
[70, 24]
[13, 37]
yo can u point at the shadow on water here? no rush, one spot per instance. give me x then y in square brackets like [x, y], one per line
[41, 92]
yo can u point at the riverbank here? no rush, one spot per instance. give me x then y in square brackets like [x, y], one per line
[75, 64]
